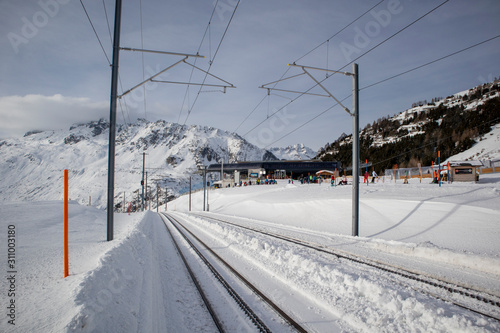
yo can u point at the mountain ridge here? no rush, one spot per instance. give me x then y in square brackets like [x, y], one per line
[450, 125]
[32, 165]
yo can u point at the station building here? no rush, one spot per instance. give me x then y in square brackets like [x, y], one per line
[274, 169]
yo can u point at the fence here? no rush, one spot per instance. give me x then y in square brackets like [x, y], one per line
[489, 166]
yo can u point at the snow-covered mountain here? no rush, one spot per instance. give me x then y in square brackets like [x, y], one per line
[32, 167]
[293, 152]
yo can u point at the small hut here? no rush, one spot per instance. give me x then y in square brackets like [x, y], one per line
[465, 171]
[327, 174]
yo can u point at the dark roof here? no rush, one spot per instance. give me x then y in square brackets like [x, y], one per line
[289, 166]
[466, 163]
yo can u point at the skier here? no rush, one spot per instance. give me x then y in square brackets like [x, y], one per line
[365, 180]
[374, 175]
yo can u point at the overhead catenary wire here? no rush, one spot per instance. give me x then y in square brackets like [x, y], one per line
[350, 62]
[212, 61]
[119, 77]
[431, 62]
[142, 56]
[102, 46]
[186, 95]
[107, 21]
[95, 32]
[100, 43]
[309, 52]
[338, 32]
[382, 81]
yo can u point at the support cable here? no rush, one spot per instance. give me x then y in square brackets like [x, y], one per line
[352, 61]
[430, 62]
[95, 32]
[186, 95]
[107, 22]
[315, 48]
[212, 61]
[338, 32]
[142, 54]
[384, 80]
[119, 77]
[262, 100]
[396, 33]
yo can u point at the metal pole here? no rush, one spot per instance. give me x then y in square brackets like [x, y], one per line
[355, 152]
[166, 197]
[204, 186]
[142, 181]
[439, 168]
[189, 193]
[157, 195]
[112, 120]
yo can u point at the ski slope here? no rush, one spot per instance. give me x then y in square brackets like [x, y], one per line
[136, 282]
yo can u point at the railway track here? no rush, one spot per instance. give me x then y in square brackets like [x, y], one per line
[465, 297]
[195, 243]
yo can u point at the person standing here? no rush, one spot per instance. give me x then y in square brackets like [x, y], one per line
[374, 175]
[435, 180]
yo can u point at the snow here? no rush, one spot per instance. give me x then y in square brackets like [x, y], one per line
[136, 282]
[487, 147]
[32, 166]
[293, 152]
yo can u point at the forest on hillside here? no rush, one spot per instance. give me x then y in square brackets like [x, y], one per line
[449, 130]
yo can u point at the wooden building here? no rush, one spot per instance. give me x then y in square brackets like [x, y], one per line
[465, 171]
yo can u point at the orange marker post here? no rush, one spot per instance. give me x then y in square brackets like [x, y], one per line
[66, 199]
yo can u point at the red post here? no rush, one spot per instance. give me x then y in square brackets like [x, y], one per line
[66, 199]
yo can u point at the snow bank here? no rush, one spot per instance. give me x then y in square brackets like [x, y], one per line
[137, 287]
[365, 300]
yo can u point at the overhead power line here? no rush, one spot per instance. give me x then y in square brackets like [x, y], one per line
[186, 95]
[142, 57]
[103, 49]
[338, 32]
[396, 33]
[430, 62]
[307, 53]
[95, 32]
[352, 61]
[107, 21]
[212, 60]
[381, 81]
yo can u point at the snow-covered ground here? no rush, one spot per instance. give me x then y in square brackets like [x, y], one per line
[135, 282]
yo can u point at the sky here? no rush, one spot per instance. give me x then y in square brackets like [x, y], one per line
[54, 72]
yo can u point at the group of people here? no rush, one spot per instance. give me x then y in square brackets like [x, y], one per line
[309, 179]
[374, 176]
[259, 181]
[343, 181]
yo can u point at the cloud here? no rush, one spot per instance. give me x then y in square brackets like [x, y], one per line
[20, 114]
